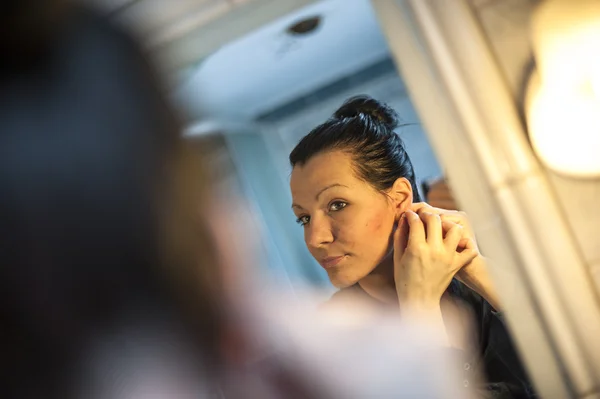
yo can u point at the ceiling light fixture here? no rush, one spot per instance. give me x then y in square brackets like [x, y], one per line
[305, 26]
[563, 99]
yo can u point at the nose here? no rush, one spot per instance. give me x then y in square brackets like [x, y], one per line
[318, 233]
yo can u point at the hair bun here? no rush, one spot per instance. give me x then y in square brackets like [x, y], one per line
[370, 108]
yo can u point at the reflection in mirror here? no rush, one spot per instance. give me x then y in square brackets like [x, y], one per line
[358, 181]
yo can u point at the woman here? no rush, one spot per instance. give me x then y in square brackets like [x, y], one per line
[354, 193]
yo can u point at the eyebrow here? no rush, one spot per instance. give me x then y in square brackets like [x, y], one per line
[321, 192]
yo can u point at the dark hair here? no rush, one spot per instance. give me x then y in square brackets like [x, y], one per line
[363, 127]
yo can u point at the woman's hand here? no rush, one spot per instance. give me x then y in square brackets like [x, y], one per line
[456, 217]
[426, 259]
[474, 273]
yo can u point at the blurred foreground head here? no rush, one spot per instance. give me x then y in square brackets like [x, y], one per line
[91, 169]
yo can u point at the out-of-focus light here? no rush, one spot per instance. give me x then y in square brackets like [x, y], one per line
[563, 100]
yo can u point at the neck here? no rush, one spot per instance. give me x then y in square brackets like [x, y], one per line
[380, 284]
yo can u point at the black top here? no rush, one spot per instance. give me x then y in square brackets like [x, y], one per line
[496, 357]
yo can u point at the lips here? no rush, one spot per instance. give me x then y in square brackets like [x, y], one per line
[331, 261]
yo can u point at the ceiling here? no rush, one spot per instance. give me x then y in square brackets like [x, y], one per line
[234, 57]
[268, 67]
[179, 33]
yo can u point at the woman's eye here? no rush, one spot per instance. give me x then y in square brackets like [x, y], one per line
[302, 220]
[337, 205]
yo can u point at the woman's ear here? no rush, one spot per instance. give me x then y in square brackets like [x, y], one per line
[402, 196]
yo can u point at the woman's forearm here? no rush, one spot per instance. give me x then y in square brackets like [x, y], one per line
[476, 276]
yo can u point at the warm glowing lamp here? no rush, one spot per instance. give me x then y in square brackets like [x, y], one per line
[563, 99]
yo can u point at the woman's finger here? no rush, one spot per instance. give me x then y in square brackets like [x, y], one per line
[454, 217]
[465, 243]
[422, 207]
[425, 207]
[458, 218]
[415, 206]
[433, 228]
[446, 214]
[467, 255]
[401, 235]
[416, 233]
[453, 236]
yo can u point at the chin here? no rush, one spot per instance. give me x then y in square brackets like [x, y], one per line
[342, 279]
[337, 283]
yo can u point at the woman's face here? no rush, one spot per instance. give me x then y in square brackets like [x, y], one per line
[347, 223]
